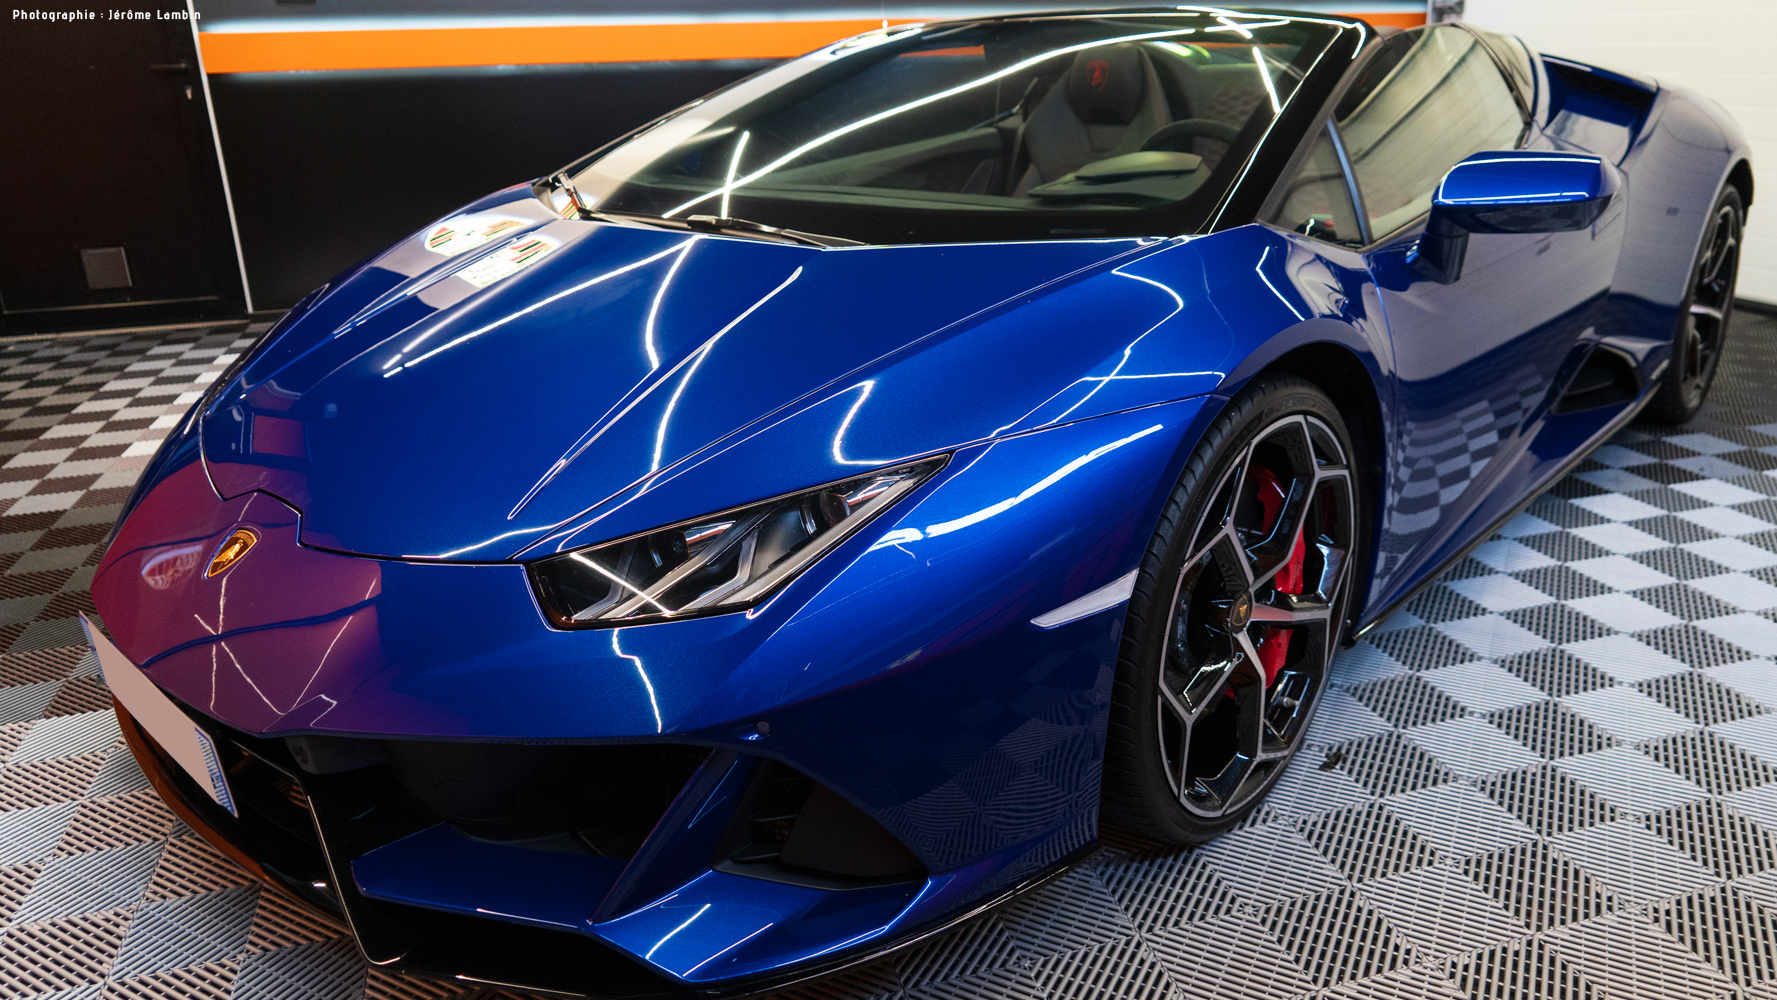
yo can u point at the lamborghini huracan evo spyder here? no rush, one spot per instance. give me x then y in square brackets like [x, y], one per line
[797, 525]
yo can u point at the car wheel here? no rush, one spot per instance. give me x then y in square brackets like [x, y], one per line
[1236, 616]
[1703, 322]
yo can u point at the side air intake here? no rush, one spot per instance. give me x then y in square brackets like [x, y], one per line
[1609, 376]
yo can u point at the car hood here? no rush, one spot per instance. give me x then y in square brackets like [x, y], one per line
[503, 371]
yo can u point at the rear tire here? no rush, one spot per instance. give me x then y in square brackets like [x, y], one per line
[1237, 613]
[1703, 320]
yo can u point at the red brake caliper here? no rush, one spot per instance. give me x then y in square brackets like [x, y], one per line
[1274, 646]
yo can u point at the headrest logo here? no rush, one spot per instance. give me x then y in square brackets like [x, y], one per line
[1098, 75]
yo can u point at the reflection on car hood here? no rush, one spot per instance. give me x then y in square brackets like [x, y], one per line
[463, 394]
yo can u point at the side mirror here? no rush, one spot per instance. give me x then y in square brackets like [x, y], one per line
[1510, 191]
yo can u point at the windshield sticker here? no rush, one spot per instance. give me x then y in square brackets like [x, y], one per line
[508, 261]
[466, 232]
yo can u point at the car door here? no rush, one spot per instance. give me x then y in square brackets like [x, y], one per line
[1477, 358]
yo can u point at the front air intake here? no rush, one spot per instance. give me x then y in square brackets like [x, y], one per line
[791, 828]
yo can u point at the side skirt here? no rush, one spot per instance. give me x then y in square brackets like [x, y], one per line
[1623, 419]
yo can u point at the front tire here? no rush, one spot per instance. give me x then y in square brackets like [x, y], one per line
[1703, 321]
[1236, 616]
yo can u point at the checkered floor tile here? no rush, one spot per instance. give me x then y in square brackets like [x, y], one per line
[1554, 773]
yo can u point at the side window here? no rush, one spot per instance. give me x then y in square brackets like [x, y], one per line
[1433, 96]
[1317, 202]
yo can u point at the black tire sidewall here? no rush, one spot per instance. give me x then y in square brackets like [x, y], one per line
[1137, 794]
[1669, 405]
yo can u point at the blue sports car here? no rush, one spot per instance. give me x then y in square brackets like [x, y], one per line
[798, 525]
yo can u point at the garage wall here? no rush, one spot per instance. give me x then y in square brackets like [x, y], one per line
[1721, 48]
[347, 124]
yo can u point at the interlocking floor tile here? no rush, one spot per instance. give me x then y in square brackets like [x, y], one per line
[1492, 636]
[1700, 697]
[1458, 820]
[1716, 836]
[1407, 700]
[1230, 956]
[1072, 912]
[1738, 590]
[1619, 611]
[75, 884]
[1424, 647]
[1711, 762]
[59, 955]
[1755, 634]
[1630, 779]
[190, 930]
[1539, 885]
[1481, 687]
[1556, 672]
[1726, 928]
[1167, 891]
[1628, 957]
[1628, 714]
[1411, 983]
[1472, 746]
[1733, 553]
[67, 736]
[1624, 658]
[1521, 970]
[1337, 936]
[1551, 729]
[1440, 910]
[326, 970]
[1309, 787]
[1632, 862]
[1367, 842]
[1499, 592]
[1620, 573]
[1548, 799]
[1269, 863]
[1389, 763]
[1340, 718]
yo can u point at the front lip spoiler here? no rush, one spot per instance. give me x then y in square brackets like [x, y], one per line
[325, 898]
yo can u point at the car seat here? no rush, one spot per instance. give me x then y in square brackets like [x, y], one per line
[1108, 104]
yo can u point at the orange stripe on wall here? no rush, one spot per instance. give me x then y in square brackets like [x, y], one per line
[271, 51]
[276, 51]
[1395, 19]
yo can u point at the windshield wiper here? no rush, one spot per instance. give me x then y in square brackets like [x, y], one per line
[717, 224]
[561, 183]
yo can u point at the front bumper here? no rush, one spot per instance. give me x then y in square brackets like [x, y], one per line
[317, 838]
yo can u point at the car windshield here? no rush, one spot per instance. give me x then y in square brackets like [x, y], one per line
[1015, 128]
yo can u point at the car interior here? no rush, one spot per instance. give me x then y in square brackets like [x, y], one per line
[1126, 125]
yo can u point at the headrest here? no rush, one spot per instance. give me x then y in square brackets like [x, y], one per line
[1106, 83]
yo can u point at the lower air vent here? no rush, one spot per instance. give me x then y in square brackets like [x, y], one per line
[106, 267]
[791, 828]
[1608, 376]
[601, 800]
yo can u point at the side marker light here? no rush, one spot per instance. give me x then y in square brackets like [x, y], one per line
[231, 551]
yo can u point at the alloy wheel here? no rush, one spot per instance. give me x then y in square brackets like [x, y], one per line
[1254, 619]
[1712, 296]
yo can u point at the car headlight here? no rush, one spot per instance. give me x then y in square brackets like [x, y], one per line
[718, 563]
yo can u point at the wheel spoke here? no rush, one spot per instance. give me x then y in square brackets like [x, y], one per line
[1210, 681]
[1291, 609]
[1224, 730]
[1706, 311]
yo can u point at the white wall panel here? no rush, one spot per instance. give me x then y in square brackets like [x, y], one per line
[1725, 50]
